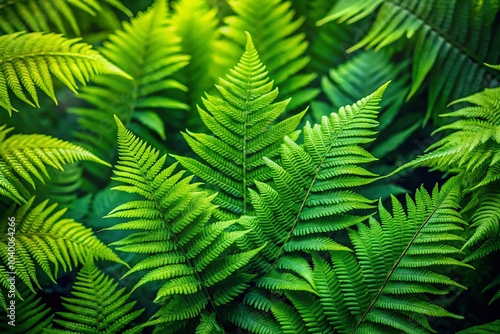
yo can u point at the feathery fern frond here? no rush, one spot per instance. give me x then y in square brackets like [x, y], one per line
[30, 60]
[452, 40]
[383, 286]
[474, 144]
[488, 328]
[43, 239]
[25, 157]
[244, 123]
[31, 315]
[191, 258]
[148, 49]
[282, 49]
[97, 305]
[42, 15]
[197, 26]
[312, 192]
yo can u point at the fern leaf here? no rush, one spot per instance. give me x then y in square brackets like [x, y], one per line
[192, 259]
[274, 30]
[45, 240]
[148, 49]
[97, 305]
[311, 193]
[383, 285]
[31, 315]
[42, 15]
[452, 41]
[25, 157]
[30, 60]
[245, 128]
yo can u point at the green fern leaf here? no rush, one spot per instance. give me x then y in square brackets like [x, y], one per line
[43, 239]
[383, 286]
[97, 306]
[311, 193]
[25, 157]
[42, 15]
[243, 122]
[30, 60]
[31, 315]
[192, 259]
[141, 49]
[274, 30]
[453, 40]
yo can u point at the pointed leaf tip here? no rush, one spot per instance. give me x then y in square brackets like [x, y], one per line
[249, 44]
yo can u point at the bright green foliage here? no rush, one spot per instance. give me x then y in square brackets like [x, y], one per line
[383, 287]
[243, 121]
[45, 240]
[42, 15]
[491, 327]
[25, 156]
[312, 192]
[452, 40]
[30, 60]
[273, 28]
[147, 48]
[31, 315]
[197, 26]
[97, 305]
[198, 267]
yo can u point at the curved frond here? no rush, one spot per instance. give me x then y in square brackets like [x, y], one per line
[243, 121]
[148, 49]
[30, 60]
[193, 260]
[452, 41]
[26, 157]
[45, 240]
[282, 48]
[96, 305]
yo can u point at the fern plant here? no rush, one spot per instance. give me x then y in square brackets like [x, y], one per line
[383, 286]
[194, 261]
[142, 51]
[97, 306]
[47, 241]
[23, 157]
[45, 15]
[452, 41]
[243, 121]
[274, 30]
[28, 61]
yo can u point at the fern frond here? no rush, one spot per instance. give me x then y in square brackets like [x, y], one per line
[48, 14]
[452, 41]
[43, 239]
[474, 145]
[491, 327]
[197, 26]
[97, 305]
[25, 157]
[383, 286]
[312, 195]
[274, 30]
[192, 259]
[244, 123]
[30, 60]
[31, 315]
[148, 49]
